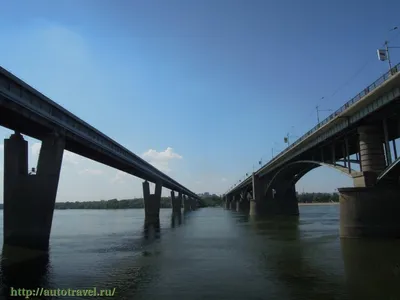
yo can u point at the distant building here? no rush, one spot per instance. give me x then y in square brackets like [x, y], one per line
[206, 195]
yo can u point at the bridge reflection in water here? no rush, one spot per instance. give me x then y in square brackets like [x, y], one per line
[221, 254]
[372, 268]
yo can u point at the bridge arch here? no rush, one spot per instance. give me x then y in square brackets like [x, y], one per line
[294, 171]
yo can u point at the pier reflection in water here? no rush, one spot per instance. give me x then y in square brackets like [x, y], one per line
[209, 253]
[21, 268]
[372, 268]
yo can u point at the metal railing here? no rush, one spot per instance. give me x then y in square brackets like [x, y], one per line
[377, 83]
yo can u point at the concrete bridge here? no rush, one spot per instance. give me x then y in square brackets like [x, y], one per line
[357, 140]
[29, 199]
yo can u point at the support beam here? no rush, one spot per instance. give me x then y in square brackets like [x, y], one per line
[387, 145]
[394, 149]
[152, 203]
[333, 154]
[346, 144]
[29, 199]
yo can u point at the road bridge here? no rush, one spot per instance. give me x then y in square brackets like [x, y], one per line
[29, 199]
[357, 140]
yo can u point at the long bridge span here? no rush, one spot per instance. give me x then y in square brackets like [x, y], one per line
[357, 140]
[29, 199]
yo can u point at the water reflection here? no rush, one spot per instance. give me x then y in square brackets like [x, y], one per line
[276, 227]
[151, 230]
[372, 268]
[176, 219]
[22, 268]
[286, 260]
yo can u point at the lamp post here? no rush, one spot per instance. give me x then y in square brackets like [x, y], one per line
[318, 110]
[383, 54]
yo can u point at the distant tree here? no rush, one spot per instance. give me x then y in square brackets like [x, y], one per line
[318, 197]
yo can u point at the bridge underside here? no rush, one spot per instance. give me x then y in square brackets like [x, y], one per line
[29, 199]
[367, 153]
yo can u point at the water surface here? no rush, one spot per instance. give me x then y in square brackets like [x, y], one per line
[214, 254]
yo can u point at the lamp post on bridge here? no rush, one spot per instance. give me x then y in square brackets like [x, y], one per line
[383, 54]
[286, 139]
[318, 110]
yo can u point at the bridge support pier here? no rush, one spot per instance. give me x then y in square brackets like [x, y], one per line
[226, 202]
[176, 203]
[29, 199]
[367, 210]
[244, 205]
[193, 204]
[186, 204]
[152, 203]
[281, 199]
[372, 156]
[233, 203]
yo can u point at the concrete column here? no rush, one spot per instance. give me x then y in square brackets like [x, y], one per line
[233, 202]
[256, 203]
[370, 212]
[280, 199]
[152, 203]
[283, 200]
[236, 204]
[29, 199]
[176, 203]
[191, 203]
[372, 157]
[226, 199]
[194, 202]
[186, 204]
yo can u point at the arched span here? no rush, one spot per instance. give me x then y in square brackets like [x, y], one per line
[294, 171]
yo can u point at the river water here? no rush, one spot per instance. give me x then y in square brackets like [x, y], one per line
[213, 254]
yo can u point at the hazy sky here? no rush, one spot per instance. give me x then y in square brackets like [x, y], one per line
[201, 89]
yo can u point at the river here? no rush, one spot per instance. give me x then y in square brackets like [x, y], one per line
[214, 254]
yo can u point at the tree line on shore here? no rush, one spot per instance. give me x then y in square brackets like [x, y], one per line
[317, 197]
[130, 203]
[211, 201]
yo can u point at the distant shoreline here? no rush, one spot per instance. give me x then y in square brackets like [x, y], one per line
[321, 203]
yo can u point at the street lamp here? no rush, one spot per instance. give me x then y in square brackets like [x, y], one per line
[318, 110]
[383, 54]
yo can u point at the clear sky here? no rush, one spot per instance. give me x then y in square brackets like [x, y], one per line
[201, 89]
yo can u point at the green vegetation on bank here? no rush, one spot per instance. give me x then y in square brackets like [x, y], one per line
[130, 203]
[206, 201]
[317, 197]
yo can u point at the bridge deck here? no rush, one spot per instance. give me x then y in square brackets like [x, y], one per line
[26, 110]
[373, 98]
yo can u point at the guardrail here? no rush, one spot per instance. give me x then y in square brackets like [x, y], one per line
[377, 83]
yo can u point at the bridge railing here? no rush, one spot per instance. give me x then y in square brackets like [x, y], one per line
[377, 83]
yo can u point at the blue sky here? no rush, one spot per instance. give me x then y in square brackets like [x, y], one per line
[201, 89]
